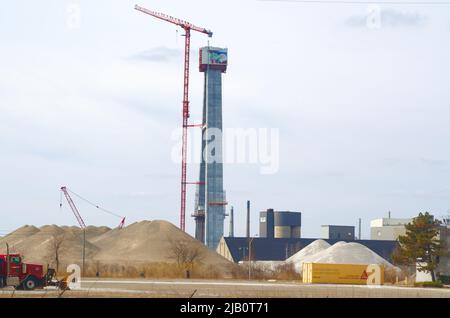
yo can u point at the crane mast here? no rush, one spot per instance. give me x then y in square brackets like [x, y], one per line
[187, 49]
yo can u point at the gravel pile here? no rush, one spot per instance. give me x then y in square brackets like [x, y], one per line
[339, 253]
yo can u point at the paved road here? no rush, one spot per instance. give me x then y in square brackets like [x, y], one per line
[208, 288]
[226, 289]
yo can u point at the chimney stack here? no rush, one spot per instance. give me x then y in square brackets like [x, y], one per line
[248, 219]
[359, 230]
[231, 222]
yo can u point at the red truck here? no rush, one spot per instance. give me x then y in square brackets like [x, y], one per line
[13, 272]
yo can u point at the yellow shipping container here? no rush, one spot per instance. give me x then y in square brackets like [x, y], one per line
[354, 274]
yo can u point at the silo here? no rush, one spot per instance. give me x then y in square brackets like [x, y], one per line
[287, 224]
[280, 224]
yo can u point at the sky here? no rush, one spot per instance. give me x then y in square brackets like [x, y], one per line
[90, 97]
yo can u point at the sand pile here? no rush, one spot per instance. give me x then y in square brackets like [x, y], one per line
[20, 234]
[37, 245]
[142, 242]
[309, 250]
[340, 253]
[149, 241]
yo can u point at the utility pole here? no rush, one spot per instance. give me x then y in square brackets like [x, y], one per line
[84, 251]
[250, 258]
[7, 263]
[231, 222]
[80, 222]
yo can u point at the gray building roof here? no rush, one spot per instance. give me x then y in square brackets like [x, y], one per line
[278, 249]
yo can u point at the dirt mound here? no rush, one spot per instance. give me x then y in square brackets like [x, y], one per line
[92, 231]
[18, 235]
[38, 245]
[149, 241]
[138, 243]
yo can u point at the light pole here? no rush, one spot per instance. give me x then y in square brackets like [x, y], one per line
[250, 258]
[84, 251]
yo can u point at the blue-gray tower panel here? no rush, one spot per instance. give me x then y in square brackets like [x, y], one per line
[210, 196]
[215, 209]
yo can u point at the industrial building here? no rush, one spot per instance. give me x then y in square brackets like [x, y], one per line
[388, 228]
[444, 235]
[237, 249]
[210, 200]
[338, 232]
[280, 224]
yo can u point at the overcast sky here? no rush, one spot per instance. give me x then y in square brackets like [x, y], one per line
[363, 113]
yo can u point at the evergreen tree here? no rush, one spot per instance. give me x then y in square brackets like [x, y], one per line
[421, 244]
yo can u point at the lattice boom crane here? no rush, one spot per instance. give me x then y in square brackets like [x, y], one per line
[73, 207]
[77, 214]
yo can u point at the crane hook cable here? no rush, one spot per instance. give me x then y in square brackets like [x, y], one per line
[95, 205]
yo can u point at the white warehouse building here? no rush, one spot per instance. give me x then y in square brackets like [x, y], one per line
[388, 229]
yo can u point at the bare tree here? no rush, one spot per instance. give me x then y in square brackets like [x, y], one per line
[55, 249]
[194, 255]
[185, 254]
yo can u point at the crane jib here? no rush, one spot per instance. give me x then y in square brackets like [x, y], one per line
[183, 24]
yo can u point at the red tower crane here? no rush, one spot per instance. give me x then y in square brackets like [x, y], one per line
[187, 49]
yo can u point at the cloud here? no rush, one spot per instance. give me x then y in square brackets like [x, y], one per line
[436, 163]
[386, 18]
[157, 54]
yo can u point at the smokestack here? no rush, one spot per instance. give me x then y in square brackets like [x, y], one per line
[248, 219]
[231, 222]
[359, 230]
[389, 214]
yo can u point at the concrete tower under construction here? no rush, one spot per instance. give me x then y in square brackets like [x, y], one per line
[210, 197]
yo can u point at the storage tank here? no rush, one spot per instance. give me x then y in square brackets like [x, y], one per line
[280, 224]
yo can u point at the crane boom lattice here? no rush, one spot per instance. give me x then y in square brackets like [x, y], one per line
[74, 208]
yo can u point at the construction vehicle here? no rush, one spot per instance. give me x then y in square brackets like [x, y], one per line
[24, 276]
